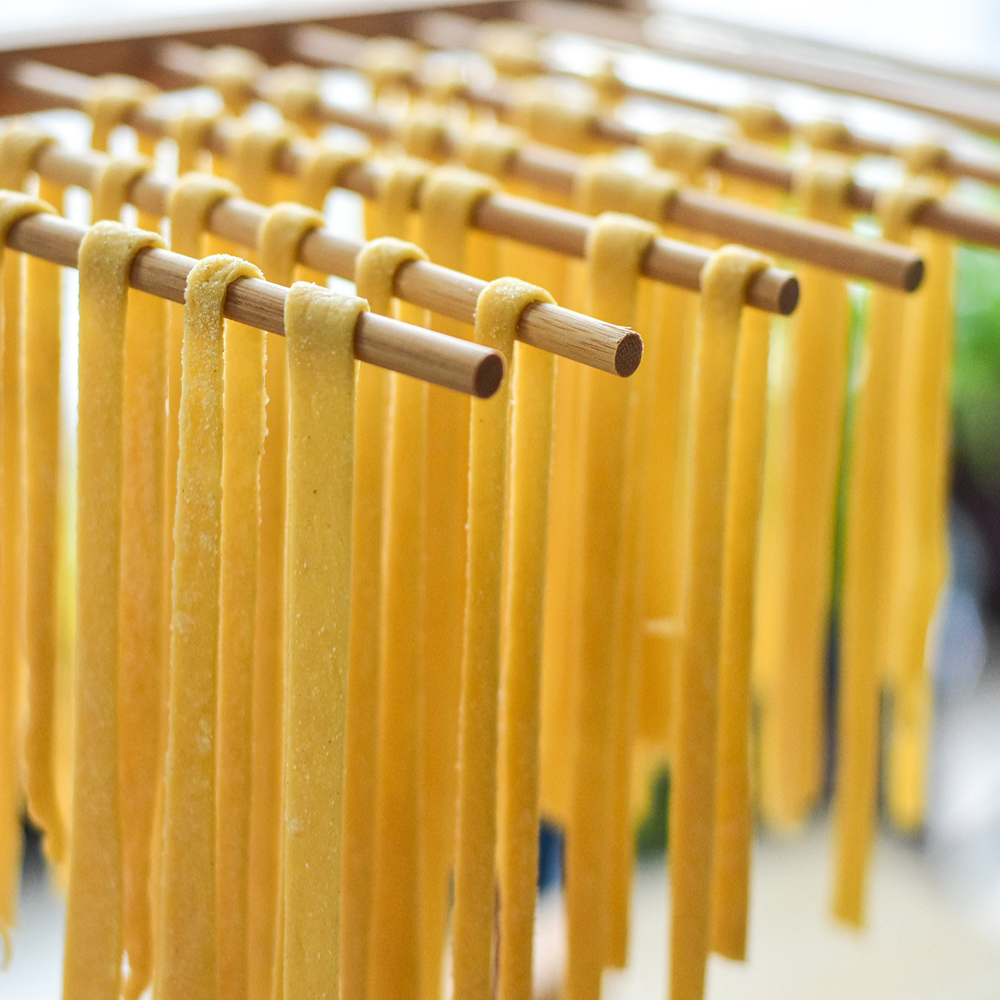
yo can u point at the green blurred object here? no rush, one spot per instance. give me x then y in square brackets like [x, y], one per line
[651, 832]
[976, 374]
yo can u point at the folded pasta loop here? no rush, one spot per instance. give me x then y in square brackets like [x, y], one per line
[19, 148]
[111, 100]
[759, 122]
[233, 72]
[424, 135]
[322, 172]
[254, 158]
[390, 64]
[826, 134]
[113, 185]
[295, 92]
[555, 121]
[691, 156]
[190, 132]
[491, 150]
[603, 186]
[513, 48]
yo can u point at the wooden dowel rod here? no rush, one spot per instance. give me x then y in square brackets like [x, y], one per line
[449, 293]
[828, 246]
[604, 25]
[799, 239]
[563, 231]
[379, 340]
[441, 29]
[968, 225]
[773, 290]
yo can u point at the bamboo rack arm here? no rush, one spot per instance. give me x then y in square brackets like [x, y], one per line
[401, 347]
[828, 246]
[445, 30]
[773, 290]
[592, 20]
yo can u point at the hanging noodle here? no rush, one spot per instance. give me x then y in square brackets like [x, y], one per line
[320, 332]
[94, 936]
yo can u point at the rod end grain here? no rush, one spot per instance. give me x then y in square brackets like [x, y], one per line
[913, 276]
[488, 375]
[628, 354]
[788, 297]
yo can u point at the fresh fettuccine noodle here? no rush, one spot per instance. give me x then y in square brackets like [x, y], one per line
[395, 963]
[94, 936]
[281, 233]
[448, 201]
[693, 777]
[872, 503]
[793, 614]
[40, 415]
[320, 332]
[617, 244]
[498, 310]
[375, 269]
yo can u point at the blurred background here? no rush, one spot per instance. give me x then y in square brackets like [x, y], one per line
[935, 900]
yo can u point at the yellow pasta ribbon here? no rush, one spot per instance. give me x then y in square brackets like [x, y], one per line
[733, 810]
[243, 441]
[320, 331]
[793, 613]
[12, 505]
[395, 945]
[533, 390]
[191, 203]
[603, 186]
[281, 234]
[498, 310]
[189, 917]
[144, 566]
[375, 269]
[92, 963]
[693, 785]
[919, 557]
[614, 256]
[447, 205]
[19, 149]
[872, 504]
